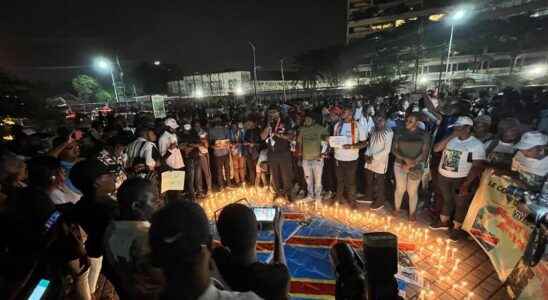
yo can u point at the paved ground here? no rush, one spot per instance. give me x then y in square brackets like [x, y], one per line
[474, 272]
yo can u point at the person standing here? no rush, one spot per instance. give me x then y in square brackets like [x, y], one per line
[237, 134]
[410, 147]
[461, 164]
[310, 142]
[252, 138]
[219, 138]
[168, 145]
[276, 136]
[376, 162]
[189, 146]
[347, 156]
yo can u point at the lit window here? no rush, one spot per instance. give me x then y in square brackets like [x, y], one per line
[436, 17]
[400, 22]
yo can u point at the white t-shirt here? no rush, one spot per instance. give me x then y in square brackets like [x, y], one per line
[345, 129]
[532, 171]
[379, 149]
[175, 160]
[64, 195]
[456, 161]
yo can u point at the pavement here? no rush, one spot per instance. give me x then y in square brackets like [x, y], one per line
[474, 274]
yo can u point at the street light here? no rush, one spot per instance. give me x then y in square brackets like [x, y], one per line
[349, 84]
[456, 17]
[104, 64]
[239, 91]
[254, 70]
[537, 71]
[199, 93]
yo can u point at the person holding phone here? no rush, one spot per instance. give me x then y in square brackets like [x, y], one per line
[237, 259]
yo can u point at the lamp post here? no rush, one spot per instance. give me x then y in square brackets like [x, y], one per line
[254, 70]
[105, 65]
[457, 15]
[283, 78]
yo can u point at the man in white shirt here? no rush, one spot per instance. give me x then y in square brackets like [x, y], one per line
[168, 145]
[143, 151]
[376, 162]
[347, 156]
[461, 163]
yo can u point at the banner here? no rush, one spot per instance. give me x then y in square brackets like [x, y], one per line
[496, 224]
[173, 181]
[158, 106]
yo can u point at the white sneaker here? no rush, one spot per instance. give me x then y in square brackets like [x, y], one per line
[307, 199]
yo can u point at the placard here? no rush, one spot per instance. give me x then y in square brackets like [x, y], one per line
[173, 181]
[158, 106]
[338, 141]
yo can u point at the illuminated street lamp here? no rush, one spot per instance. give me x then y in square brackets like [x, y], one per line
[105, 65]
[455, 18]
[239, 91]
[199, 93]
[537, 71]
[349, 84]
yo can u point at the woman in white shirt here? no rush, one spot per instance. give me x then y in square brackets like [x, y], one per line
[531, 161]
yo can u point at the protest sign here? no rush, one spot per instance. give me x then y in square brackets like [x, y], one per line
[173, 181]
[495, 222]
[158, 106]
[338, 141]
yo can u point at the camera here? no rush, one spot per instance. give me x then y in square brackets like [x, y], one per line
[534, 206]
[368, 275]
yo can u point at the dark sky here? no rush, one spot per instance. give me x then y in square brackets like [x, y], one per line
[200, 35]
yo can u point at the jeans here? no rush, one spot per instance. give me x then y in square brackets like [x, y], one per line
[453, 203]
[329, 179]
[375, 186]
[313, 170]
[404, 183]
[346, 180]
[203, 174]
[222, 170]
[251, 170]
[190, 175]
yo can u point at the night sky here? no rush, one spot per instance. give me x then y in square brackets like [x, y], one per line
[200, 35]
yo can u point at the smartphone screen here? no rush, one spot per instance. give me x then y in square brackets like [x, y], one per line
[265, 214]
[39, 290]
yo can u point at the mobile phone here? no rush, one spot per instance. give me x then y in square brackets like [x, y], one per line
[265, 214]
[39, 290]
[51, 221]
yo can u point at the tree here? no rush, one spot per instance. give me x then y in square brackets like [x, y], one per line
[86, 87]
[102, 95]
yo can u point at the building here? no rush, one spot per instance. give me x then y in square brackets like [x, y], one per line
[235, 83]
[365, 17]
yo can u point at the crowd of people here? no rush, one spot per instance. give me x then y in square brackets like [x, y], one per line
[86, 203]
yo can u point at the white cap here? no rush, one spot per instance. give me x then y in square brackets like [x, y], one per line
[171, 123]
[463, 121]
[532, 139]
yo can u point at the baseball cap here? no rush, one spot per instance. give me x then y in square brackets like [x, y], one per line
[462, 121]
[171, 123]
[178, 232]
[84, 173]
[532, 139]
